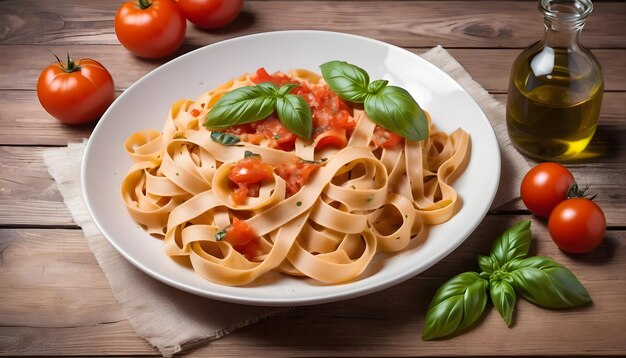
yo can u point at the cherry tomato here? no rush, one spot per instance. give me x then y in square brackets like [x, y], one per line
[75, 92]
[577, 225]
[211, 14]
[150, 28]
[545, 186]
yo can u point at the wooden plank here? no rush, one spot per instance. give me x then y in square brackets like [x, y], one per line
[51, 290]
[404, 23]
[386, 323]
[29, 195]
[34, 272]
[490, 67]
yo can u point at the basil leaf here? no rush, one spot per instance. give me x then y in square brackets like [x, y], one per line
[514, 243]
[225, 138]
[248, 154]
[346, 80]
[488, 264]
[546, 283]
[458, 303]
[394, 109]
[286, 88]
[295, 114]
[221, 235]
[243, 105]
[376, 86]
[503, 298]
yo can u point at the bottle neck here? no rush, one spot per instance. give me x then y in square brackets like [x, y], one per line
[561, 36]
[564, 21]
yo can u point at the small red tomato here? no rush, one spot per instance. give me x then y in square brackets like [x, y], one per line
[211, 14]
[545, 186]
[75, 92]
[577, 225]
[150, 28]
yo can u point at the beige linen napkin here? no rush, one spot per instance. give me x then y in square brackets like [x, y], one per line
[161, 314]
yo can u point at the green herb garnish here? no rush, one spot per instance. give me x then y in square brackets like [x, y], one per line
[221, 235]
[248, 154]
[224, 138]
[391, 107]
[506, 273]
[253, 103]
[299, 203]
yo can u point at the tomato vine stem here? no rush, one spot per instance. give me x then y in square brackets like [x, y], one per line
[70, 66]
[144, 4]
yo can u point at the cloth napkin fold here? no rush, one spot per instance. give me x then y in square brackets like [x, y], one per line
[159, 313]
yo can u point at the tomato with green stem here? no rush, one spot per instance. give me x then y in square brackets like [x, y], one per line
[75, 92]
[577, 225]
[150, 28]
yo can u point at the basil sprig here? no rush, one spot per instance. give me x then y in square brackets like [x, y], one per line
[253, 103]
[506, 274]
[391, 107]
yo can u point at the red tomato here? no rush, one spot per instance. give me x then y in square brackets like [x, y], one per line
[384, 138]
[261, 75]
[545, 186]
[279, 136]
[243, 238]
[247, 174]
[250, 170]
[150, 28]
[577, 225]
[211, 14]
[296, 173]
[75, 92]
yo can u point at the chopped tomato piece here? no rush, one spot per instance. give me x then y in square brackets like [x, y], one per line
[247, 174]
[296, 173]
[279, 136]
[261, 76]
[195, 112]
[384, 138]
[278, 78]
[243, 238]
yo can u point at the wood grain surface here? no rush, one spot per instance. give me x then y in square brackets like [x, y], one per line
[55, 300]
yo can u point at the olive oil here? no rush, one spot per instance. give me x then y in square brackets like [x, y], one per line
[554, 116]
[556, 87]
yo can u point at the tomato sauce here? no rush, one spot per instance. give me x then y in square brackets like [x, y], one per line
[296, 173]
[384, 138]
[331, 116]
[248, 174]
[243, 238]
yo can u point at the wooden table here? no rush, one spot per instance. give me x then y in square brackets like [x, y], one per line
[54, 299]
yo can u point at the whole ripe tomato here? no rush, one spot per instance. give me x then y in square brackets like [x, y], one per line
[75, 92]
[211, 14]
[150, 28]
[577, 225]
[545, 186]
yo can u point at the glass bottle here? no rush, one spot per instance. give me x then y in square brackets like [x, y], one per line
[556, 87]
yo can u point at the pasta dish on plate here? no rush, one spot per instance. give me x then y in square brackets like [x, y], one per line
[238, 199]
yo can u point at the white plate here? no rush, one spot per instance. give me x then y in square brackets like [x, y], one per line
[145, 104]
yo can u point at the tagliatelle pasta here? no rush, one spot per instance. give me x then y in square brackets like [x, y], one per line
[360, 199]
